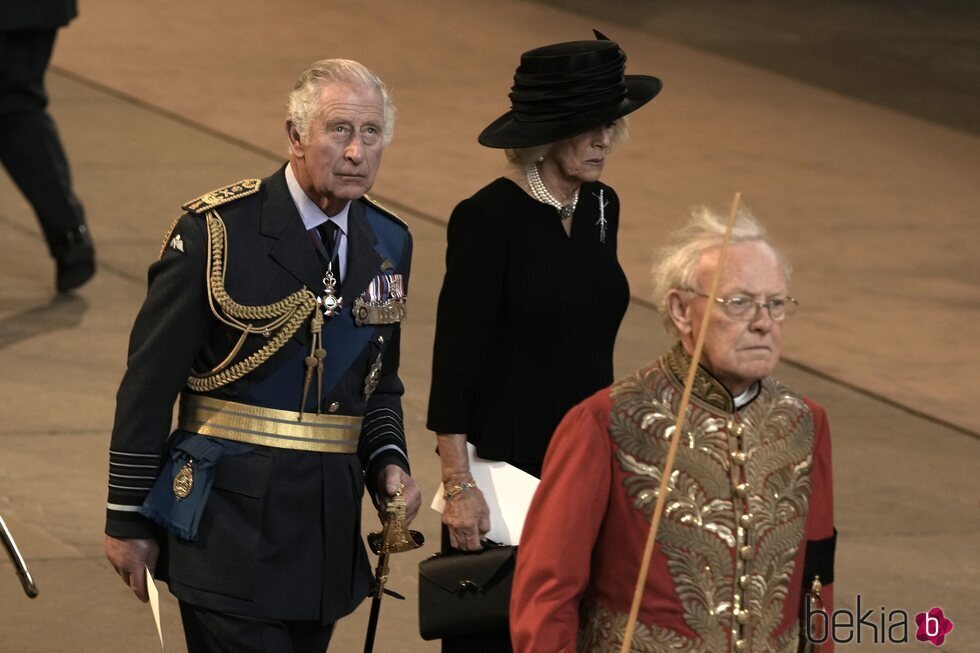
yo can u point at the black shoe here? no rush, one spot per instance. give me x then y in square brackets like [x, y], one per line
[75, 258]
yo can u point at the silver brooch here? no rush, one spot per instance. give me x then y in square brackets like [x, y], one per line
[602, 216]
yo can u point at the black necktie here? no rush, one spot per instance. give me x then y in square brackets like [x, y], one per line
[330, 234]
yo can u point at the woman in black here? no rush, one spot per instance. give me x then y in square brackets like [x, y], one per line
[533, 294]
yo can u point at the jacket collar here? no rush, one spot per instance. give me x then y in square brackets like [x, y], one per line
[294, 251]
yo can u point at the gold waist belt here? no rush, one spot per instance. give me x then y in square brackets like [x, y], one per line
[268, 426]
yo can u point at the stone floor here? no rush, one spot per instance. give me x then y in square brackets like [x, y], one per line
[872, 197]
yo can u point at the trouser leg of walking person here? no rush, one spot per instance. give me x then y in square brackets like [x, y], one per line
[31, 152]
[207, 631]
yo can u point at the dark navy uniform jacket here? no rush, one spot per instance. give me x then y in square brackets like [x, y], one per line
[280, 534]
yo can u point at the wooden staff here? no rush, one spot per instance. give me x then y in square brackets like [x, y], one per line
[658, 508]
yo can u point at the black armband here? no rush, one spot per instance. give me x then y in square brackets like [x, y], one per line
[819, 560]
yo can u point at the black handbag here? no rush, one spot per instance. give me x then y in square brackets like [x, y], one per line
[465, 593]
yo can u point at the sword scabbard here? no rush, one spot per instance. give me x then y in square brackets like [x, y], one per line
[26, 580]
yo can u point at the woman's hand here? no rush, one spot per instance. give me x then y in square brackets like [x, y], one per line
[468, 519]
[466, 514]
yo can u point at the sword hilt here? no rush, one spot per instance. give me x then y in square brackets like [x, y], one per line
[395, 537]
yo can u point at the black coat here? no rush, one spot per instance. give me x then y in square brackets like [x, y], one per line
[280, 535]
[527, 318]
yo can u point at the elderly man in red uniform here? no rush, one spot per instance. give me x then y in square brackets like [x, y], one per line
[747, 534]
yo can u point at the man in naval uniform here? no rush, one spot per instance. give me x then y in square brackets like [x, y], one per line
[274, 315]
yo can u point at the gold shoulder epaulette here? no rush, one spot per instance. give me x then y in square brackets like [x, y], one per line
[220, 196]
[385, 210]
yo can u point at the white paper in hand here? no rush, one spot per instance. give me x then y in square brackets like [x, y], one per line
[508, 491]
[151, 590]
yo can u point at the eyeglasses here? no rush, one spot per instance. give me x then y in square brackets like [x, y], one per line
[745, 309]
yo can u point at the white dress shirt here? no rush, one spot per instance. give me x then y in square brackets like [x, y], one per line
[313, 217]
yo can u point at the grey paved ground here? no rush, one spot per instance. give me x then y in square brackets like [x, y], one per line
[158, 103]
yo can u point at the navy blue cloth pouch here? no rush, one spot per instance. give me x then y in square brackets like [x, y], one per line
[176, 505]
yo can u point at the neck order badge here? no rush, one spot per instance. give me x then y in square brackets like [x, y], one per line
[331, 302]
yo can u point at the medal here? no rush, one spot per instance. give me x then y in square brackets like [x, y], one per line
[330, 302]
[372, 378]
[184, 481]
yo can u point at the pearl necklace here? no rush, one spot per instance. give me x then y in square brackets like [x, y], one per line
[540, 193]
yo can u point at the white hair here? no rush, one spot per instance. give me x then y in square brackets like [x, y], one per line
[304, 99]
[677, 263]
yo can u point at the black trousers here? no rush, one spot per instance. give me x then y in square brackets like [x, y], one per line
[207, 631]
[30, 148]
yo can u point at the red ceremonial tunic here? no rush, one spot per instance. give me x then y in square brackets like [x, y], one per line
[748, 489]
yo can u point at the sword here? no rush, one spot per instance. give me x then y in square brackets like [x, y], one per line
[394, 538]
[15, 557]
[807, 645]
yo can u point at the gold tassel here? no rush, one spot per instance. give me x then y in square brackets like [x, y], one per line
[320, 354]
[313, 361]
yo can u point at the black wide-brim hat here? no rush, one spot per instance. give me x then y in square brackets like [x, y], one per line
[566, 89]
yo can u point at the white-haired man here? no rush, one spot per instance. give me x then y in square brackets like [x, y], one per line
[274, 314]
[748, 524]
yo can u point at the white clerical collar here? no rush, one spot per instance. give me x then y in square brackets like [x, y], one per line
[746, 396]
[310, 213]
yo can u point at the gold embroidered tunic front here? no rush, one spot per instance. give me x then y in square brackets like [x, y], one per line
[748, 488]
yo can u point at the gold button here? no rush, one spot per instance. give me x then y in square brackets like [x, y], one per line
[746, 519]
[742, 490]
[746, 552]
[738, 457]
[743, 581]
[333, 407]
[740, 646]
[742, 617]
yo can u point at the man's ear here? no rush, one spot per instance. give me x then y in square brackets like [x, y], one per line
[296, 147]
[679, 311]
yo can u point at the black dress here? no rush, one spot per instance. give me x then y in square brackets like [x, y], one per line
[527, 319]
[526, 324]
